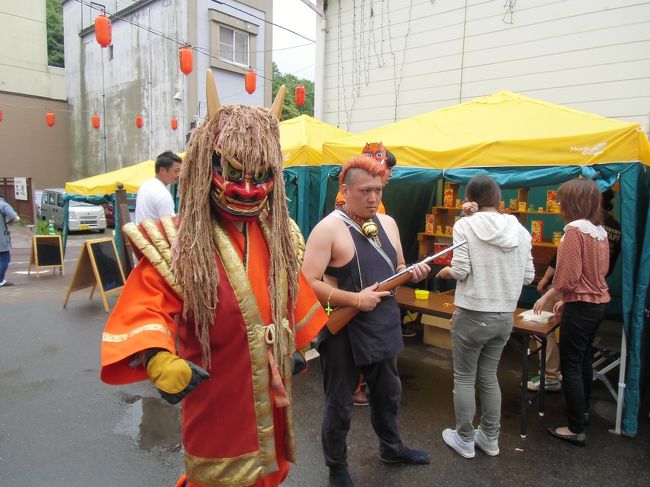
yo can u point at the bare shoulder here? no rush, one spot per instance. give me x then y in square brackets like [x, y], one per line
[387, 221]
[325, 228]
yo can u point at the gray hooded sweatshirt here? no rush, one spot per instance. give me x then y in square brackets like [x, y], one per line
[494, 265]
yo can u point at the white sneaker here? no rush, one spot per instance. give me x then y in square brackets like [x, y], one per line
[489, 447]
[462, 447]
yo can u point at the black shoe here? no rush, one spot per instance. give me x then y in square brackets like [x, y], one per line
[408, 331]
[340, 477]
[578, 439]
[407, 455]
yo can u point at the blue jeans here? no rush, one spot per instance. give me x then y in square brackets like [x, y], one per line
[478, 341]
[5, 257]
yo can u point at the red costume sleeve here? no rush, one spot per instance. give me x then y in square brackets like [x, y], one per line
[143, 318]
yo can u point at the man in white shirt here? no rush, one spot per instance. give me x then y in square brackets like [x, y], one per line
[154, 199]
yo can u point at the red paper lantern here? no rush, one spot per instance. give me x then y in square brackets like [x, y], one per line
[0, 115]
[139, 122]
[50, 119]
[185, 59]
[103, 30]
[174, 123]
[249, 81]
[96, 121]
[300, 95]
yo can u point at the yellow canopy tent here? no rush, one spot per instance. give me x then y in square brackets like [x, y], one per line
[131, 177]
[522, 143]
[302, 138]
[502, 129]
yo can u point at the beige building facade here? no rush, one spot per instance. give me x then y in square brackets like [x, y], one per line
[29, 88]
[386, 61]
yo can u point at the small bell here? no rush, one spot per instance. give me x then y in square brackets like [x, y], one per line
[370, 229]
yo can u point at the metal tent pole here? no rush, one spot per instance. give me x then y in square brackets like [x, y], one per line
[621, 384]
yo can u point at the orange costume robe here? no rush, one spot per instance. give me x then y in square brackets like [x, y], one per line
[233, 433]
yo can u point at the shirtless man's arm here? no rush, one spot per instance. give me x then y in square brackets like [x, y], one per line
[328, 244]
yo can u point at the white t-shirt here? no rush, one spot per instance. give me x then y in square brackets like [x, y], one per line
[154, 200]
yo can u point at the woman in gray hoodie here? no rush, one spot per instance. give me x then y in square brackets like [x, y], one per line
[490, 272]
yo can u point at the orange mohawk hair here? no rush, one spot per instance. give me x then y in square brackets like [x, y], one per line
[364, 163]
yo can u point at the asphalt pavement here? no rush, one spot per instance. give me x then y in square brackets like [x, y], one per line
[61, 426]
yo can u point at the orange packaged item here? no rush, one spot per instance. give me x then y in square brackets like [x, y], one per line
[537, 230]
[450, 195]
[444, 259]
[429, 224]
[551, 201]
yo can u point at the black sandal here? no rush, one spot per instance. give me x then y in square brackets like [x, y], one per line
[575, 439]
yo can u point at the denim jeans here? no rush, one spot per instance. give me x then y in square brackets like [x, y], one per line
[5, 257]
[578, 327]
[478, 341]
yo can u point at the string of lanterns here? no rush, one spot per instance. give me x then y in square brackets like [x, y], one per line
[103, 34]
[185, 59]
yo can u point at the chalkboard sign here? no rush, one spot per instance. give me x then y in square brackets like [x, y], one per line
[108, 267]
[47, 251]
[98, 267]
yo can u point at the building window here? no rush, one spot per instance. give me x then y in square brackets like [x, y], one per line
[233, 46]
[233, 42]
[110, 52]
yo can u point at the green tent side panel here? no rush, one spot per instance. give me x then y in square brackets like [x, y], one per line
[302, 185]
[291, 189]
[635, 188]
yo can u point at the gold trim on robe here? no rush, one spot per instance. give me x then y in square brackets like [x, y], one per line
[263, 461]
[245, 469]
[113, 338]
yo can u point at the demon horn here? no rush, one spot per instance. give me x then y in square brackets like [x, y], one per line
[276, 108]
[211, 95]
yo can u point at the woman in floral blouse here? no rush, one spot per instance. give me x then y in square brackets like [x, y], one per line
[582, 263]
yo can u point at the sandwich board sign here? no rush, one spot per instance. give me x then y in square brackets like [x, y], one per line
[47, 252]
[98, 267]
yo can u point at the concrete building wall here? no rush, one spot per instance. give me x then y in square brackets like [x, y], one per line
[386, 61]
[139, 75]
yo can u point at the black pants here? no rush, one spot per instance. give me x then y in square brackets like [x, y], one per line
[340, 379]
[578, 327]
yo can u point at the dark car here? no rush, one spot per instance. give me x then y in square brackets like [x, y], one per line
[110, 217]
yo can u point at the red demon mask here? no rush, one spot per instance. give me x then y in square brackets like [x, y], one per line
[239, 193]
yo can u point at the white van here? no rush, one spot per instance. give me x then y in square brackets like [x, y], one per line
[81, 216]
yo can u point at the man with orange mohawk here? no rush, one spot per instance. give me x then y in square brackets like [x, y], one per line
[347, 254]
[223, 282]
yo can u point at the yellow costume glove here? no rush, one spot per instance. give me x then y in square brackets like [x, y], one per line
[174, 377]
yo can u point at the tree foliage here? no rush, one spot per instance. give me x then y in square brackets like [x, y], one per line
[54, 20]
[289, 109]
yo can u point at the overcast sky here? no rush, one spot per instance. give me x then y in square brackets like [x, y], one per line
[294, 15]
